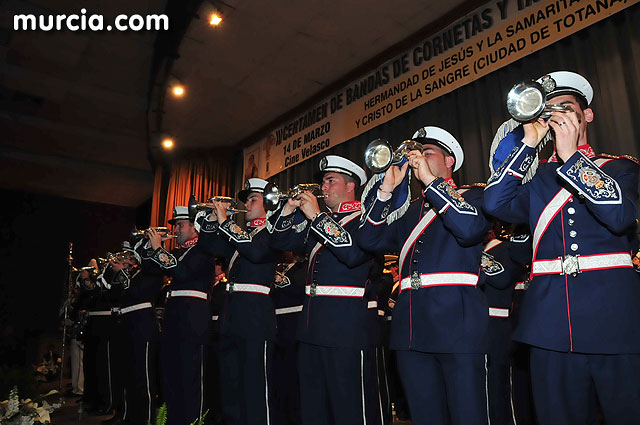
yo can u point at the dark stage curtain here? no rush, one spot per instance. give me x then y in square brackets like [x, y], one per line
[201, 175]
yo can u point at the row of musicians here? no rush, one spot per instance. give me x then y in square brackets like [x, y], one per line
[579, 316]
[120, 345]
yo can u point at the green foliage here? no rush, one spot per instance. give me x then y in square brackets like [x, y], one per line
[162, 415]
[200, 421]
[161, 419]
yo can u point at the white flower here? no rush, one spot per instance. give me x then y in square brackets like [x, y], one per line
[13, 402]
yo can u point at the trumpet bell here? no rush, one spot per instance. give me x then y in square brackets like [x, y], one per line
[271, 197]
[526, 101]
[378, 156]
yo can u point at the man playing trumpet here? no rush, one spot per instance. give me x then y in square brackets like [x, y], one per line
[334, 349]
[247, 322]
[580, 314]
[440, 318]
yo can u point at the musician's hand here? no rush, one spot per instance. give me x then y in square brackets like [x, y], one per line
[421, 169]
[566, 128]
[221, 210]
[117, 264]
[393, 177]
[291, 206]
[309, 204]
[155, 239]
[534, 132]
[213, 215]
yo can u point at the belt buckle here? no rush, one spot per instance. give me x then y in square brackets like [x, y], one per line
[230, 287]
[115, 311]
[570, 265]
[312, 290]
[416, 281]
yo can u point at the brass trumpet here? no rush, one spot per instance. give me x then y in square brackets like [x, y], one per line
[164, 232]
[527, 101]
[272, 195]
[195, 206]
[379, 155]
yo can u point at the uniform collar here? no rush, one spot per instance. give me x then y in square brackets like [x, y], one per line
[451, 182]
[585, 149]
[349, 206]
[190, 242]
[257, 222]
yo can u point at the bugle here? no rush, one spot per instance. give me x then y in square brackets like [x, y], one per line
[379, 155]
[195, 206]
[164, 232]
[272, 195]
[527, 101]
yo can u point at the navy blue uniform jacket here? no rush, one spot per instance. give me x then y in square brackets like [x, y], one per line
[584, 209]
[335, 259]
[440, 242]
[252, 260]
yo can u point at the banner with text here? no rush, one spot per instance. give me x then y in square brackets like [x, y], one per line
[481, 42]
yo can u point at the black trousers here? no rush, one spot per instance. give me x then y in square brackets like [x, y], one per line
[286, 386]
[565, 386]
[245, 377]
[183, 365]
[444, 388]
[140, 379]
[338, 385]
[499, 371]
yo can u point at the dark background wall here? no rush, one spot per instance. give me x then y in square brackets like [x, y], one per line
[36, 231]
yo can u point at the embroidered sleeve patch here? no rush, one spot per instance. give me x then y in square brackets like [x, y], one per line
[490, 265]
[164, 259]
[515, 165]
[284, 223]
[592, 182]
[333, 232]
[209, 226]
[454, 198]
[235, 232]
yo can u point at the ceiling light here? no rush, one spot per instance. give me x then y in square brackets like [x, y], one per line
[177, 91]
[167, 143]
[177, 88]
[215, 18]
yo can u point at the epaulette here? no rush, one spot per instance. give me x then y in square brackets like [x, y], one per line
[629, 157]
[469, 186]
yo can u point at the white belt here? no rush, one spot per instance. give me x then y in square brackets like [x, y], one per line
[100, 313]
[520, 286]
[187, 293]
[438, 279]
[498, 312]
[577, 264]
[135, 307]
[288, 310]
[372, 304]
[214, 317]
[335, 291]
[248, 287]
